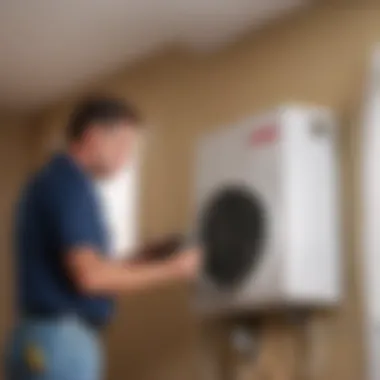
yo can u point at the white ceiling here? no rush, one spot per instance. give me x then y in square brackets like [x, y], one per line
[49, 48]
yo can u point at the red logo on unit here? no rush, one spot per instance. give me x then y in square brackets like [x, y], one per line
[263, 136]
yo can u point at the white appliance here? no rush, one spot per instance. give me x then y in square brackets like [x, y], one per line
[267, 202]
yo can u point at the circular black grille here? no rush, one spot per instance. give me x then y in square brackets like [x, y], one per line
[232, 232]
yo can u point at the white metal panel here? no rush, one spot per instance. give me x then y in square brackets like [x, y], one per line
[228, 157]
[311, 197]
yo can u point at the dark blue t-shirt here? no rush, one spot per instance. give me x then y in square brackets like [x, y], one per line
[58, 211]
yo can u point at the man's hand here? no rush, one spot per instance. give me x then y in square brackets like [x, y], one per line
[160, 249]
[187, 263]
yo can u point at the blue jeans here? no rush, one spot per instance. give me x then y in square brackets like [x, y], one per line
[64, 349]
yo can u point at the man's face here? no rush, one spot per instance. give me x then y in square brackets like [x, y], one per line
[111, 148]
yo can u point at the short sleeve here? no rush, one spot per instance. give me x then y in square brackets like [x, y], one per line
[71, 216]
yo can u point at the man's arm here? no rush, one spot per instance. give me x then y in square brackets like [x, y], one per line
[95, 275]
[71, 216]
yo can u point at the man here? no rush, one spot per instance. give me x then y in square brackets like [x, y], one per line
[65, 279]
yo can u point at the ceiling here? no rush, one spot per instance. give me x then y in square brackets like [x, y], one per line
[50, 48]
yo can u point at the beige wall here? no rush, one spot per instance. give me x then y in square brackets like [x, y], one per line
[14, 159]
[320, 56]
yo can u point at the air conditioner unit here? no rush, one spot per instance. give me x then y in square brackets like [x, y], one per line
[267, 202]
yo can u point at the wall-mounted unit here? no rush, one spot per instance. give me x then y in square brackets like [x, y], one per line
[267, 200]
